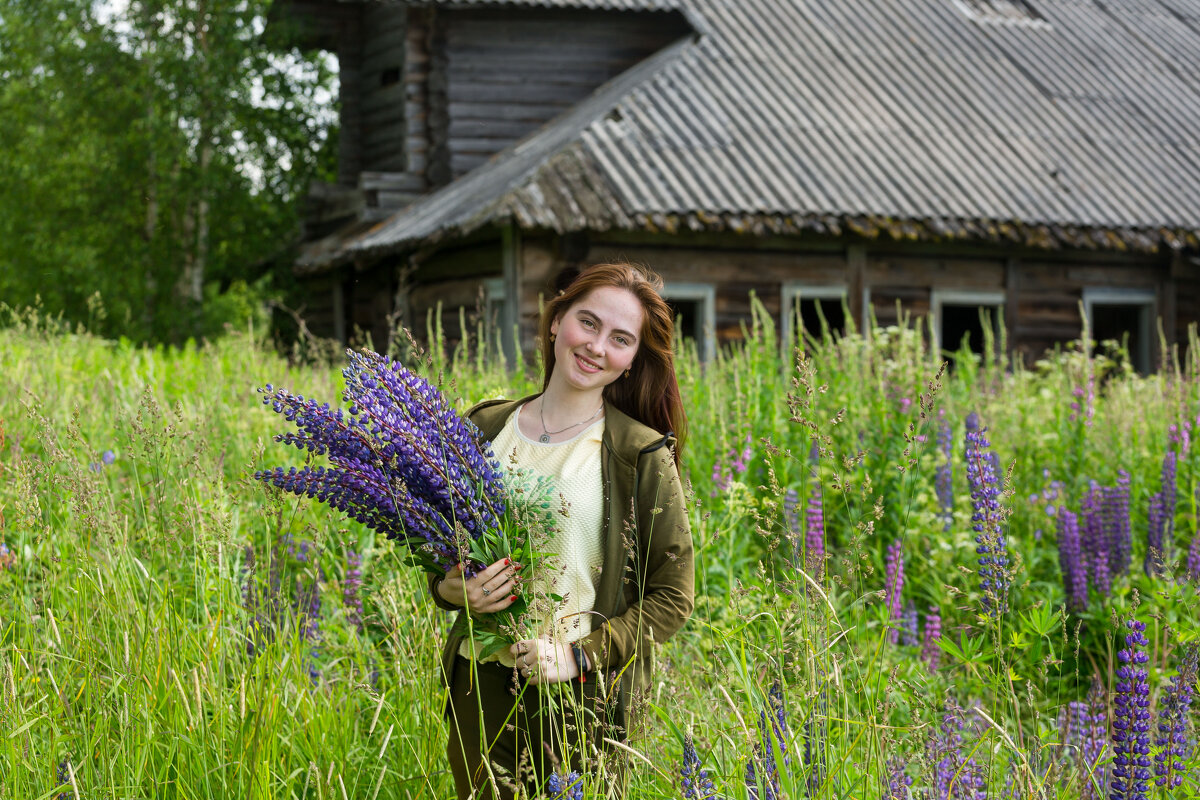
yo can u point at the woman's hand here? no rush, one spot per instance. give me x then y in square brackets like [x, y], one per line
[544, 661]
[492, 589]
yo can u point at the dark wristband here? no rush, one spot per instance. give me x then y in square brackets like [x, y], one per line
[580, 661]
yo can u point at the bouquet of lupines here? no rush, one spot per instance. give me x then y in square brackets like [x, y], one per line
[406, 465]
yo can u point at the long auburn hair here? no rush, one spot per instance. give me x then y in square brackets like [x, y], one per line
[650, 394]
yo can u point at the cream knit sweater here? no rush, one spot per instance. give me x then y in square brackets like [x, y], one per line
[573, 573]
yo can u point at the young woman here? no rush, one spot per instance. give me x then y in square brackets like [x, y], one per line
[607, 428]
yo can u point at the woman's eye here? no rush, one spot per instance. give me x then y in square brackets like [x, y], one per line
[621, 340]
[587, 323]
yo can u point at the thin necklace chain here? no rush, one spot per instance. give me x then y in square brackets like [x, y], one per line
[547, 433]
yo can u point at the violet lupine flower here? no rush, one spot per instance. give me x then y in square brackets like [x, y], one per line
[1174, 748]
[722, 478]
[944, 477]
[910, 626]
[694, 781]
[63, 778]
[1094, 540]
[814, 532]
[1193, 559]
[931, 652]
[564, 787]
[791, 514]
[1170, 493]
[1131, 718]
[1115, 512]
[896, 782]
[8, 559]
[1070, 560]
[956, 777]
[350, 590]
[763, 765]
[1072, 727]
[893, 586]
[1095, 742]
[404, 463]
[987, 519]
[1155, 531]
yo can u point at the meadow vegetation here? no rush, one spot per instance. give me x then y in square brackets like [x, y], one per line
[883, 609]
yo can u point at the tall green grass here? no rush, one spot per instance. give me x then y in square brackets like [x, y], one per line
[155, 609]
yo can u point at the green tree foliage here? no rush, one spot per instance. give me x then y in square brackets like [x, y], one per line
[153, 152]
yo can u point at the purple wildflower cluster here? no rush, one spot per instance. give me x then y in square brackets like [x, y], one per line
[1172, 741]
[1095, 543]
[404, 463]
[896, 780]
[270, 606]
[956, 776]
[1131, 718]
[1047, 500]
[893, 586]
[1070, 560]
[1180, 435]
[1083, 401]
[106, 460]
[1193, 556]
[694, 782]
[1083, 736]
[931, 652]
[814, 532]
[568, 786]
[8, 559]
[734, 464]
[983, 477]
[763, 767]
[944, 477]
[910, 625]
[1160, 534]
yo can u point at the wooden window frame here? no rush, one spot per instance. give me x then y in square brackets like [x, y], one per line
[993, 298]
[1147, 299]
[791, 291]
[706, 295]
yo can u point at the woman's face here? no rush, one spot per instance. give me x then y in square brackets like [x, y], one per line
[597, 338]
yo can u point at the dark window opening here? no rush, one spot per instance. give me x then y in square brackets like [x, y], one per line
[689, 319]
[389, 76]
[812, 310]
[1125, 324]
[964, 324]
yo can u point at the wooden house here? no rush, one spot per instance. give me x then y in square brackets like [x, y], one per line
[936, 156]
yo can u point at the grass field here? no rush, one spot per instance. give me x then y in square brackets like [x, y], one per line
[169, 628]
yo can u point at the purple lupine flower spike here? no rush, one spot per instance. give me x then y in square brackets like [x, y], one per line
[1174, 747]
[1095, 743]
[1193, 557]
[1131, 718]
[988, 519]
[694, 781]
[896, 782]
[1170, 493]
[894, 585]
[1095, 543]
[814, 533]
[564, 787]
[1070, 560]
[955, 774]
[910, 626]
[1116, 522]
[1155, 532]
[931, 653]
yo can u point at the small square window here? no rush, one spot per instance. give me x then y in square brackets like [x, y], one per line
[694, 307]
[1125, 316]
[806, 308]
[965, 318]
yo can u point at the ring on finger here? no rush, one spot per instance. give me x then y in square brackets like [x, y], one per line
[486, 591]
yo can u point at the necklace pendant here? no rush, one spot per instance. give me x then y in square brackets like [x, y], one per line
[544, 438]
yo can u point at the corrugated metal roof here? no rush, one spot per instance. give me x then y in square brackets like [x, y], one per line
[914, 118]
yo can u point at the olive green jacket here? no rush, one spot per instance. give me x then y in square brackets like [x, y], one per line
[645, 593]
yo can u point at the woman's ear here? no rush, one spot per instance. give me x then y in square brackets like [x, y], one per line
[554, 326]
